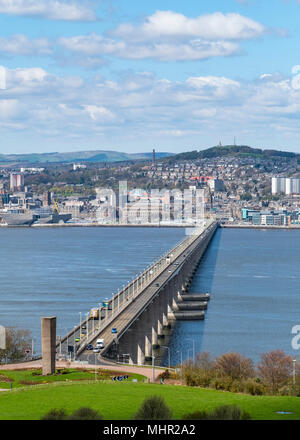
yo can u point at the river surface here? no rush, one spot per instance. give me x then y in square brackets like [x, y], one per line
[64, 271]
[253, 277]
[254, 280]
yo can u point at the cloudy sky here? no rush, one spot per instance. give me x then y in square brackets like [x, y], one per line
[132, 76]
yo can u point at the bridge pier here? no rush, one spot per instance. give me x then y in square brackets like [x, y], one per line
[143, 325]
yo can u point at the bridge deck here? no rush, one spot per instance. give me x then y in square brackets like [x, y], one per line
[135, 306]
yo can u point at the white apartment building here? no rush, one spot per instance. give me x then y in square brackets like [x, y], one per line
[285, 185]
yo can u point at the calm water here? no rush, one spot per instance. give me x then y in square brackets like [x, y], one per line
[61, 272]
[253, 277]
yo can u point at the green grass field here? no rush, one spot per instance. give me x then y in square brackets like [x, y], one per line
[23, 378]
[119, 401]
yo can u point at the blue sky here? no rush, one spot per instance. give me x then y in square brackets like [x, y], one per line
[131, 75]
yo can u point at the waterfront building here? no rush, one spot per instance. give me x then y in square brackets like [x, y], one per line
[270, 218]
[16, 182]
[216, 185]
[285, 185]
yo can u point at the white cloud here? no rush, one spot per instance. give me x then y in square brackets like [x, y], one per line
[164, 36]
[22, 45]
[216, 26]
[169, 36]
[141, 107]
[96, 47]
[100, 114]
[51, 9]
[91, 44]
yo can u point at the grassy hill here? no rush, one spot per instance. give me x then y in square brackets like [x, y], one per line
[119, 401]
[77, 156]
[234, 151]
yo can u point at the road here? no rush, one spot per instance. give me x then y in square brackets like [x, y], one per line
[147, 372]
[136, 304]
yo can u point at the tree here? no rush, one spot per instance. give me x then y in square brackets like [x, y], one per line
[204, 361]
[85, 414]
[226, 412]
[229, 412]
[153, 408]
[17, 341]
[235, 366]
[275, 369]
[55, 414]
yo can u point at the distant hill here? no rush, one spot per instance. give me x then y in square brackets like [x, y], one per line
[232, 150]
[77, 156]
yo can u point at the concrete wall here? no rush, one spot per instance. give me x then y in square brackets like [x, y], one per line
[48, 344]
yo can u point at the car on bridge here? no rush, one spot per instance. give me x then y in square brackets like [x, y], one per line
[114, 330]
[100, 343]
[96, 350]
[89, 347]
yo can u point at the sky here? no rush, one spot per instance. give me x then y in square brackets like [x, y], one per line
[132, 76]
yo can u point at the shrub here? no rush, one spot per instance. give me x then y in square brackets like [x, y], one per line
[165, 375]
[236, 386]
[226, 412]
[197, 415]
[153, 408]
[55, 414]
[5, 379]
[229, 412]
[222, 383]
[254, 387]
[190, 379]
[85, 414]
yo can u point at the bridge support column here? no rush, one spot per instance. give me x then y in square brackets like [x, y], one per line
[148, 347]
[140, 353]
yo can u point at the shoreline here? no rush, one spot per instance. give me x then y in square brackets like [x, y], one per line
[286, 228]
[126, 225]
[93, 225]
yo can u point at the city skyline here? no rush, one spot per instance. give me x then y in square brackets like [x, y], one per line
[91, 76]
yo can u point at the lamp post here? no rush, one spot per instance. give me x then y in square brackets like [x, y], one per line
[80, 322]
[87, 324]
[168, 348]
[153, 366]
[181, 365]
[193, 341]
[106, 305]
[74, 343]
[294, 371]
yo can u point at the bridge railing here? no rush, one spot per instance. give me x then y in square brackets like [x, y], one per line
[130, 292]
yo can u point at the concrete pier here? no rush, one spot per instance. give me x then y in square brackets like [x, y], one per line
[144, 323]
[48, 345]
[189, 315]
[196, 297]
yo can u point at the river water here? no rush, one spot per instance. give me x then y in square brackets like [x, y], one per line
[254, 280]
[253, 277]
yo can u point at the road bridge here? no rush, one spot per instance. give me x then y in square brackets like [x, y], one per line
[144, 310]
